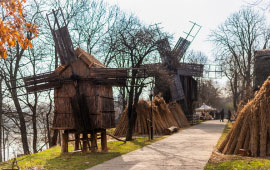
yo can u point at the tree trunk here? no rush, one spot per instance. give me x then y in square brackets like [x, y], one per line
[13, 85]
[1, 121]
[21, 119]
[34, 119]
[54, 138]
[34, 123]
[132, 114]
[130, 111]
[235, 90]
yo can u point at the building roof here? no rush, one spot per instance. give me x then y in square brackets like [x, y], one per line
[87, 58]
[263, 52]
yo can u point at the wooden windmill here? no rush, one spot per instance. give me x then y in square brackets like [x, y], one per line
[179, 86]
[82, 90]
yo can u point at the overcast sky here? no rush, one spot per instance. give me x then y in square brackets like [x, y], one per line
[174, 16]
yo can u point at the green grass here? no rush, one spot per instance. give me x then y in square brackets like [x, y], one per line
[52, 158]
[254, 164]
[235, 162]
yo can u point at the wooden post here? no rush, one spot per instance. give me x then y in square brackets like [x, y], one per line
[64, 143]
[77, 141]
[93, 142]
[85, 142]
[104, 141]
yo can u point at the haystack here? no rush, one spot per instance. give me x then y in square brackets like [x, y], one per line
[178, 114]
[164, 116]
[251, 131]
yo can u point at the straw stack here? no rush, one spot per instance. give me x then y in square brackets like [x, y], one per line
[164, 116]
[251, 131]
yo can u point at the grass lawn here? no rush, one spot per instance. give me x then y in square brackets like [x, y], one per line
[52, 158]
[234, 162]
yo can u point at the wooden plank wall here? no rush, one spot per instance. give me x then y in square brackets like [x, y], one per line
[99, 99]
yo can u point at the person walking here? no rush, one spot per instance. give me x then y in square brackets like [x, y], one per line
[222, 115]
[229, 115]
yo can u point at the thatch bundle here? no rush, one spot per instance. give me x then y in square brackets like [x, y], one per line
[251, 131]
[164, 116]
[178, 114]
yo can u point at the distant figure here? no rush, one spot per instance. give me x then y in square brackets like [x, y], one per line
[222, 115]
[229, 115]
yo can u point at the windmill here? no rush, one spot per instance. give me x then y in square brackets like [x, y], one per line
[82, 86]
[181, 85]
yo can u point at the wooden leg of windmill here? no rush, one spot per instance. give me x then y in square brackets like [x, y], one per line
[104, 141]
[85, 141]
[64, 143]
[96, 142]
[77, 141]
[93, 142]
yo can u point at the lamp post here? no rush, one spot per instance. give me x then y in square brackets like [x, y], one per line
[151, 116]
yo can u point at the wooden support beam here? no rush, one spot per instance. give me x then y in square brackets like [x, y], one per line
[85, 143]
[93, 142]
[116, 138]
[104, 141]
[64, 142]
[77, 142]
[43, 86]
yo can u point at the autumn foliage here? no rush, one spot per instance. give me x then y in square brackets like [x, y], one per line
[14, 28]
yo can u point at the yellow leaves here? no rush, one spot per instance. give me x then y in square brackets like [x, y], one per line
[11, 43]
[3, 52]
[28, 25]
[14, 28]
[5, 55]
[30, 44]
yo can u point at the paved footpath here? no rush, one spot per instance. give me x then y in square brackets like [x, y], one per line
[188, 149]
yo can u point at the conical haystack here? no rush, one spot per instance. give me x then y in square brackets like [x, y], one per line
[164, 116]
[178, 114]
[251, 131]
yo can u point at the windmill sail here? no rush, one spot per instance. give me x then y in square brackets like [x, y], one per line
[104, 76]
[64, 47]
[190, 69]
[41, 82]
[176, 88]
[63, 44]
[164, 50]
[181, 48]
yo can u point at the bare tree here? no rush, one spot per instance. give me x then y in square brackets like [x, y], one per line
[132, 44]
[235, 42]
[92, 24]
[197, 57]
[209, 93]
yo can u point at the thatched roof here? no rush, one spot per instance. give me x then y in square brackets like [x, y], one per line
[263, 52]
[88, 59]
[82, 55]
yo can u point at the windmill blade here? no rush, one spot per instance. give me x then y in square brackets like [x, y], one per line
[183, 43]
[164, 50]
[63, 44]
[109, 73]
[181, 48]
[41, 82]
[177, 92]
[64, 47]
[188, 69]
